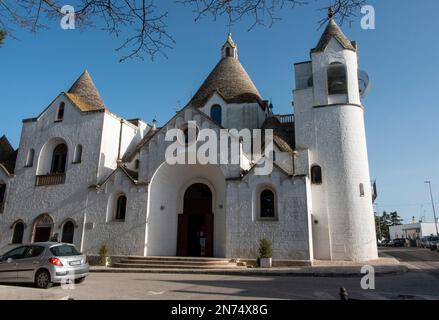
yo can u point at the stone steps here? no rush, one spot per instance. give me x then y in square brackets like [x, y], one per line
[174, 263]
[173, 266]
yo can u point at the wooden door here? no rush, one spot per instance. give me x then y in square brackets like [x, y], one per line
[182, 235]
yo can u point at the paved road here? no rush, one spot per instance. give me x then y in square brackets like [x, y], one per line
[422, 282]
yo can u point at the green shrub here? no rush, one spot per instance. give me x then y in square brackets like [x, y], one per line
[265, 249]
[103, 255]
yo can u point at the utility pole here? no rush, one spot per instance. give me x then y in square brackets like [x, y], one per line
[379, 221]
[432, 204]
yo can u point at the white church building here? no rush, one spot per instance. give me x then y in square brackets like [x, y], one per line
[84, 175]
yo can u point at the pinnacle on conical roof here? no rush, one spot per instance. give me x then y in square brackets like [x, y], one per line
[85, 95]
[333, 31]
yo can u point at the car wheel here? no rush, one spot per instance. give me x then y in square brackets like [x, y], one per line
[80, 280]
[42, 279]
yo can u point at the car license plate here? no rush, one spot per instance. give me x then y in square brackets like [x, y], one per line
[75, 263]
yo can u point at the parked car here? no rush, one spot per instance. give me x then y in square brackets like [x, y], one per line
[399, 242]
[423, 242]
[433, 243]
[44, 264]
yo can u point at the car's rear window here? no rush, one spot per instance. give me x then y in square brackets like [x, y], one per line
[64, 251]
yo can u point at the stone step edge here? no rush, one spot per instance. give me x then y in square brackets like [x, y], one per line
[296, 272]
[158, 262]
[170, 266]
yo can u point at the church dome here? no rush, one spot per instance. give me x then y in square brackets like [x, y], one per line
[229, 79]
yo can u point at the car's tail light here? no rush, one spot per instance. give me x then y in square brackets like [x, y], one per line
[56, 262]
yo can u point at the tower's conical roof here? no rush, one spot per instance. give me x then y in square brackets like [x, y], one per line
[333, 31]
[85, 95]
[230, 80]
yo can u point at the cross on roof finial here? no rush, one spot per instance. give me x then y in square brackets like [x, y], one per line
[330, 12]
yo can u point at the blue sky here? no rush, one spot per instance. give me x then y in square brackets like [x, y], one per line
[401, 57]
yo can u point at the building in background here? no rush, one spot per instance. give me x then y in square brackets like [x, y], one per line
[412, 231]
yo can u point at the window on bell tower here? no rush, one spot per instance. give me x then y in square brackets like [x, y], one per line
[337, 79]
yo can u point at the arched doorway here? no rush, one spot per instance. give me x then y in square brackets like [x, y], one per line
[195, 224]
[43, 227]
[68, 232]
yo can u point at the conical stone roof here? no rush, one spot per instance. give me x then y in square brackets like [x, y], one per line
[231, 81]
[85, 95]
[333, 31]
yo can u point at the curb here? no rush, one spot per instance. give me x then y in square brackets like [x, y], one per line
[342, 272]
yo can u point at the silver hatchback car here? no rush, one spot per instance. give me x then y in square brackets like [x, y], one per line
[44, 264]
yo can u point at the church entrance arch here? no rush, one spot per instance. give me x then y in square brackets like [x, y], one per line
[195, 224]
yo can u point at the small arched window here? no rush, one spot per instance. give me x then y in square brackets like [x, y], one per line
[78, 154]
[267, 204]
[316, 175]
[2, 192]
[337, 79]
[17, 236]
[361, 190]
[121, 207]
[228, 54]
[59, 159]
[60, 114]
[68, 232]
[216, 114]
[30, 158]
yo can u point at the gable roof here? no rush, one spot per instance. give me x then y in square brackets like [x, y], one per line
[132, 176]
[231, 81]
[8, 156]
[333, 31]
[128, 157]
[283, 133]
[84, 95]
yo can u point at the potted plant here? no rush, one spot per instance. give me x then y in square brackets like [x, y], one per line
[104, 259]
[265, 253]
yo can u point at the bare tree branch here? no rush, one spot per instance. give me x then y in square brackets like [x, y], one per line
[143, 26]
[264, 12]
[139, 21]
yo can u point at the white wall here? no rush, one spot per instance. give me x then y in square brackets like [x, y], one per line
[289, 233]
[237, 116]
[25, 200]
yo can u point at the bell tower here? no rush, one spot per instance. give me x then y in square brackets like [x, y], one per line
[330, 125]
[229, 49]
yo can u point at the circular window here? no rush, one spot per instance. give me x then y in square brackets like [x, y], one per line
[188, 134]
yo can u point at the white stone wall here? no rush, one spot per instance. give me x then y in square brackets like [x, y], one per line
[129, 137]
[25, 200]
[237, 116]
[121, 237]
[289, 233]
[98, 133]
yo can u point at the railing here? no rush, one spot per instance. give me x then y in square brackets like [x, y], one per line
[51, 179]
[285, 118]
